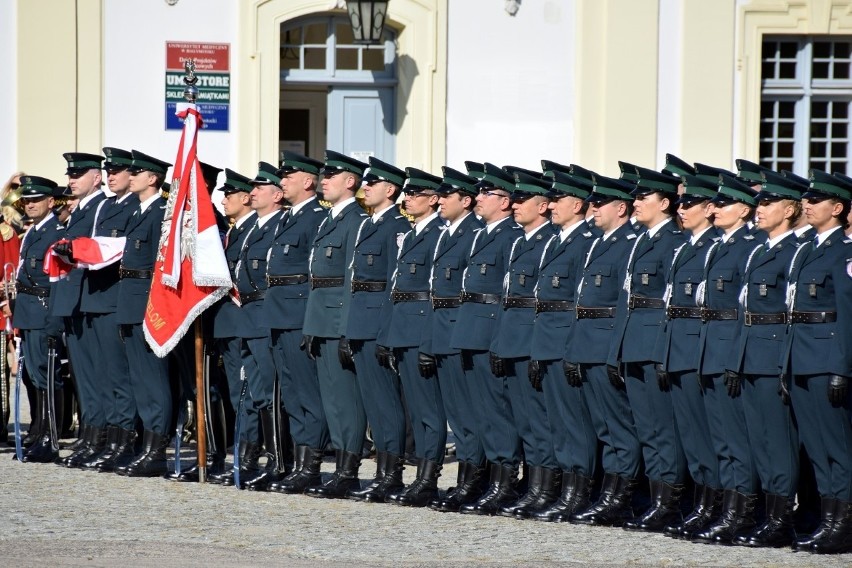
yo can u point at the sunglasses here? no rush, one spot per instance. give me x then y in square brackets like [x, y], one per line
[489, 193]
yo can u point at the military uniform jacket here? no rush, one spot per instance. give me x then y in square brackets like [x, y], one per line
[515, 325]
[330, 255]
[69, 290]
[140, 253]
[678, 339]
[559, 273]
[722, 281]
[100, 287]
[31, 312]
[251, 275]
[488, 262]
[823, 283]
[599, 287]
[448, 263]
[409, 320]
[761, 346]
[647, 271]
[284, 306]
[367, 314]
[229, 319]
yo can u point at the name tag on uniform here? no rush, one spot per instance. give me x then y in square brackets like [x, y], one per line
[687, 288]
[254, 264]
[598, 279]
[447, 273]
[762, 290]
[137, 244]
[286, 249]
[522, 279]
[812, 290]
[412, 269]
[554, 282]
[482, 268]
[369, 260]
[328, 252]
[720, 285]
[645, 279]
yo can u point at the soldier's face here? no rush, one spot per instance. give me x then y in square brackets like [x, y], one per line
[265, 197]
[606, 214]
[772, 216]
[821, 212]
[377, 193]
[118, 180]
[692, 215]
[140, 180]
[233, 203]
[82, 184]
[452, 206]
[293, 184]
[37, 208]
[529, 210]
[565, 210]
[334, 186]
[647, 208]
[728, 215]
[491, 203]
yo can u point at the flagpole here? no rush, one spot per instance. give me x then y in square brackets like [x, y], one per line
[200, 397]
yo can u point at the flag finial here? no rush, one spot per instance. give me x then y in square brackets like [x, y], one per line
[190, 92]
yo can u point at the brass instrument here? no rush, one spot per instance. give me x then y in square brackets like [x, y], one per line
[10, 291]
[13, 199]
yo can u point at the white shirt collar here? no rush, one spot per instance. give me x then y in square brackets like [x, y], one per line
[124, 197]
[241, 221]
[144, 205]
[694, 238]
[261, 221]
[455, 224]
[88, 198]
[563, 234]
[335, 210]
[529, 235]
[825, 234]
[47, 218]
[490, 226]
[378, 214]
[802, 230]
[779, 238]
[420, 225]
[296, 208]
[656, 228]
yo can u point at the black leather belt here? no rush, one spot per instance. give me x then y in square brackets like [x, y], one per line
[286, 280]
[332, 282]
[439, 303]
[752, 318]
[33, 290]
[480, 298]
[399, 296]
[519, 302]
[595, 313]
[133, 273]
[642, 302]
[252, 296]
[719, 315]
[368, 286]
[553, 306]
[813, 317]
[677, 312]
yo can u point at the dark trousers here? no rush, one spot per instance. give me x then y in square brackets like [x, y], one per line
[34, 350]
[457, 396]
[572, 432]
[624, 453]
[691, 417]
[82, 345]
[341, 399]
[493, 411]
[149, 381]
[232, 360]
[115, 392]
[529, 414]
[381, 393]
[772, 435]
[826, 432]
[261, 379]
[656, 429]
[300, 388]
[425, 407]
[727, 426]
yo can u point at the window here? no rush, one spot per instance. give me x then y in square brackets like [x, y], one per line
[322, 49]
[805, 103]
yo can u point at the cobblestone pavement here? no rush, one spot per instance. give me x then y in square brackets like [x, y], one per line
[53, 516]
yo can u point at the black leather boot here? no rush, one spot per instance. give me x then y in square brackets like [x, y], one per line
[298, 463]
[469, 488]
[93, 447]
[828, 506]
[533, 489]
[35, 430]
[274, 470]
[249, 453]
[307, 476]
[366, 493]
[501, 492]
[708, 502]
[152, 461]
[423, 489]
[613, 507]
[113, 434]
[551, 481]
[777, 530]
[664, 510]
[737, 519]
[123, 454]
[342, 480]
[840, 538]
[85, 439]
[216, 448]
[390, 466]
[79, 441]
[43, 450]
[548, 514]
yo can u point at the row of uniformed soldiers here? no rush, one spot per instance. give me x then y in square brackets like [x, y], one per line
[688, 323]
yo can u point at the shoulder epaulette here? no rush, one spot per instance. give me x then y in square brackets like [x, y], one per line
[6, 232]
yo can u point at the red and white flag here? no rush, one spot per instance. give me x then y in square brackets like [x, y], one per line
[190, 273]
[92, 253]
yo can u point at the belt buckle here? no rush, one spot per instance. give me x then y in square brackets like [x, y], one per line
[748, 319]
[703, 312]
[630, 302]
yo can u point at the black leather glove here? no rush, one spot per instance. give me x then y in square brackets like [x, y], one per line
[784, 390]
[344, 354]
[54, 327]
[838, 390]
[663, 379]
[732, 381]
[535, 374]
[427, 365]
[63, 250]
[615, 378]
[310, 346]
[385, 357]
[572, 374]
[498, 366]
